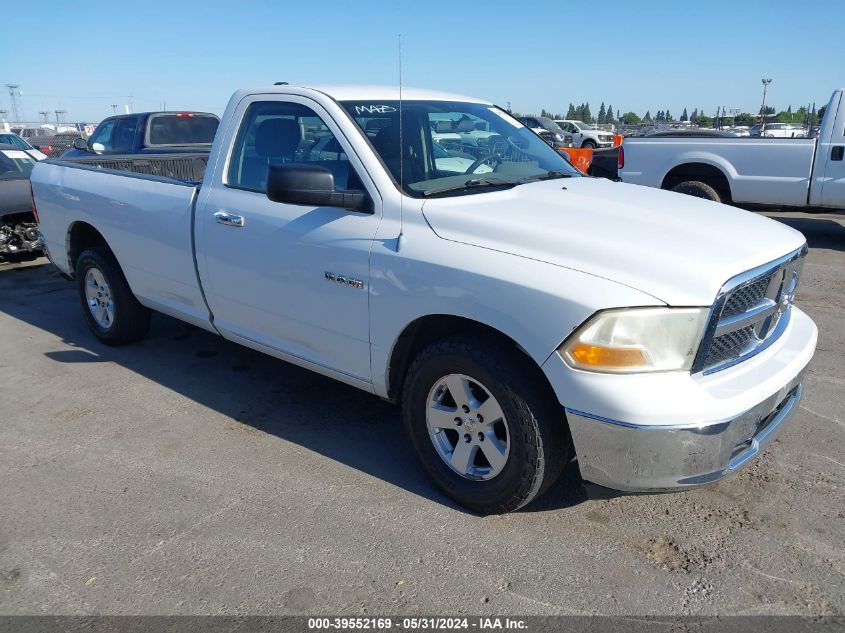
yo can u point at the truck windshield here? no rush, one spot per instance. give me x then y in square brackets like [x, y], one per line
[454, 148]
[182, 128]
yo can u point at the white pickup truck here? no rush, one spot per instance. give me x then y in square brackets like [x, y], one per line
[799, 173]
[517, 310]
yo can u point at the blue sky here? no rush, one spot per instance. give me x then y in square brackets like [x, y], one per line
[84, 56]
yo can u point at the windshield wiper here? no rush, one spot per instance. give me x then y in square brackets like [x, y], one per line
[549, 175]
[473, 183]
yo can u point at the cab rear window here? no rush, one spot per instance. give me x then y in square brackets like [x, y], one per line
[186, 128]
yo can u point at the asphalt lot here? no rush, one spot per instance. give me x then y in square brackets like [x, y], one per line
[186, 474]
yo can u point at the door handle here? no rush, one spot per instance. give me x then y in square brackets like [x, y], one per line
[837, 152]
[229, 219]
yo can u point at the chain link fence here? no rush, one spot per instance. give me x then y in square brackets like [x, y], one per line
[51, 139]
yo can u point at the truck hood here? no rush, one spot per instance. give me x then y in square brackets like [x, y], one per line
[677, 248]
[14, 196]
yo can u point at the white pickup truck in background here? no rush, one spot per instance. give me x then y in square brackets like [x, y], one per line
[517, 310]
[585, 136]
[800, 173]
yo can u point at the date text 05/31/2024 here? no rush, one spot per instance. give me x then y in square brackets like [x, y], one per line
[417, 623]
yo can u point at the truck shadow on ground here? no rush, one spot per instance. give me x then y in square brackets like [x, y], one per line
[277, 398]
[820, 232]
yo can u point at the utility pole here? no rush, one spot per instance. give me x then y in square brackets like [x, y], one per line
[59, 113]
[44, 114]
[114, 108]
[14, 93]
[766, 83]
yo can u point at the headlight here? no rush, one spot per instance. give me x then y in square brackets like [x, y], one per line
[634, 340]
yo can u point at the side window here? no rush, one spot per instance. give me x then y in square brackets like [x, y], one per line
[123, 139]
[103, 136]
[277, 133]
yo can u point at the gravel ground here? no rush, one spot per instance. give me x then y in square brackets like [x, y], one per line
[186, 475]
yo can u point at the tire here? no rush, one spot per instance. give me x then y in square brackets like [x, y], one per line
[588, 144]
[698, 189]
[537, 444]
[99, 278]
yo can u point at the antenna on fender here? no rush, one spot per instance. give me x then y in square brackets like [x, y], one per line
[401, 155]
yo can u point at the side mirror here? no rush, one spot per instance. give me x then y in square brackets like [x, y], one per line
[311, 185]
[81, 143]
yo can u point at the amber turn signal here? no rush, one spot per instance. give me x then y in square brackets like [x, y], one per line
[608, 357]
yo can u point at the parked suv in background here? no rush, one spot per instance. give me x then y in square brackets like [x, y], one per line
[549, 131]
[31, 133]
[779, 130]
[585, 136]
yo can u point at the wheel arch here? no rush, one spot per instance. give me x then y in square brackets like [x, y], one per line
[80, 237]
[427, 329]
[705, 172]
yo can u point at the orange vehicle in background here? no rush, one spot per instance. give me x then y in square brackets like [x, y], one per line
[580, 158]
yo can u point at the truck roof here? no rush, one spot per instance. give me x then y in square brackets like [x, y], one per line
[158, 112]
[363, 93]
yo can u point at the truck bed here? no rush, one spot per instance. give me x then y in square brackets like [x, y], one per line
[147, 221]
[770, 171]
[189, 167]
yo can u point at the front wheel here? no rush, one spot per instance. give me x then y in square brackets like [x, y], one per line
[484, 431]
[588, 144]
[113, 313]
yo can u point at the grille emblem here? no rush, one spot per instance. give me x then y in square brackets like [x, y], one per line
[750, 313]
[784, 284]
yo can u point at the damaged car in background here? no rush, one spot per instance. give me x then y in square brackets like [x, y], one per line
[18, 231]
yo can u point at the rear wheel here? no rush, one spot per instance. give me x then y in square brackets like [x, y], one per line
[483, 430]
[112, 312]
[697, 189]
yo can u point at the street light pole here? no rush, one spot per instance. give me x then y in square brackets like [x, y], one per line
[766, 83]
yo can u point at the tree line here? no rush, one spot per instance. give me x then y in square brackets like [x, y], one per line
[805, 115]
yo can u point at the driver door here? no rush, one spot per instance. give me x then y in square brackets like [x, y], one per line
[270, 270]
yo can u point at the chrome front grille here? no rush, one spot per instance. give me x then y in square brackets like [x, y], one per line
[729, 346]
[751, 311]
[746, 297]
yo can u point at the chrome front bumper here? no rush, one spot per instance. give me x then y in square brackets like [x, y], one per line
[633, 457]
